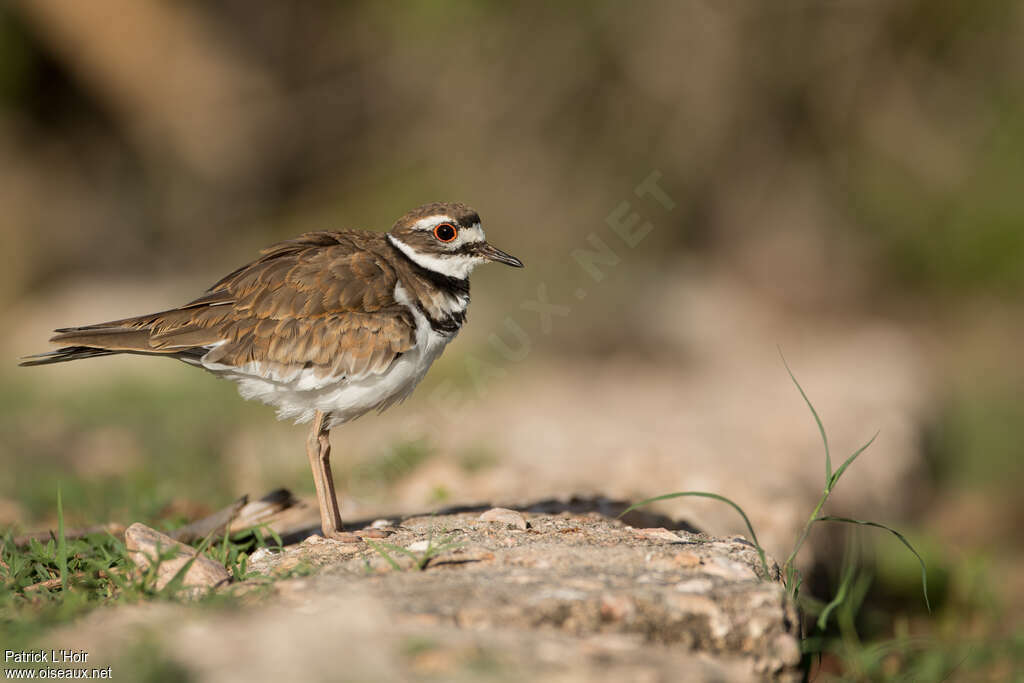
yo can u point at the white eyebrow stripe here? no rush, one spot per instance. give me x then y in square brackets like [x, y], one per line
[429, 222]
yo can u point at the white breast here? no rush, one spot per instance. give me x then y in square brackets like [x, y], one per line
[300, 394]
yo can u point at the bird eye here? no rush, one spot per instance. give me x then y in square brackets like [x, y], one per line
[445, 232]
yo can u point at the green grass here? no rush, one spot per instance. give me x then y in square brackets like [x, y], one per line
[873, 634]
[45, 584]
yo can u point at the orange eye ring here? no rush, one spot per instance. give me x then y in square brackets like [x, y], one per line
[445, 232]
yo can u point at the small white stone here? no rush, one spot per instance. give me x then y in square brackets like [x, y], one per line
[418, 546]
[504, 516]
[315, 539]
[259, 555]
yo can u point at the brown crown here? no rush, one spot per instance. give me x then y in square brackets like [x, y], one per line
[463, 215]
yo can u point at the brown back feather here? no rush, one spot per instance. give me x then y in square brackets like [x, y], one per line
[322, 300]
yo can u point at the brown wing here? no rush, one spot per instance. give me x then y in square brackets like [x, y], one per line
[323, 301]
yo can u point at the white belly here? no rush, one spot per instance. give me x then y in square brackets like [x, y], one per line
[344, 399]
[299, 395]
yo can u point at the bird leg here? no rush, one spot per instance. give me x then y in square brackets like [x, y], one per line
[318, 449]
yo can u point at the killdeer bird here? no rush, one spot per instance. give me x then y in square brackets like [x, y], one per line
[325, 327]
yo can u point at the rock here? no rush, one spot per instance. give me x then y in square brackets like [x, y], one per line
[575, 597]
[504, 516]
[650, 587]
[145, 545]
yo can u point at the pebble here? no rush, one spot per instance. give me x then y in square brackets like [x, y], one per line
[259, 555]
[504, 516]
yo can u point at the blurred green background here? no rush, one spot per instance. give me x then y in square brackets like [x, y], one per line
[849, 160]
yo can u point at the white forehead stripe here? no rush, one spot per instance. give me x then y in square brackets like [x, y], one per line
[458, 266]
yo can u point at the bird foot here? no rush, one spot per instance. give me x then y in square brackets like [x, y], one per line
[356, 536]
[342, 537]
[373, 533]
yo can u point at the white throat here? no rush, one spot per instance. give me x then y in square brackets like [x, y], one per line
[458, 266]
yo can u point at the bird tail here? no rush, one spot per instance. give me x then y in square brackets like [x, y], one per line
[181, 333]
[62, 355]
[92, 341]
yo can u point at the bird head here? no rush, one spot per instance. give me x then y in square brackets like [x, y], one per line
[446, 238]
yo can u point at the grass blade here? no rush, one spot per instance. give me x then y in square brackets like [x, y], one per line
[273, 534]
[821, 427]
[433, 551]
[849, 461]
[840, 596]
[177, 581]
[225, 548]
[62, 544]
[713, 496]
[902, 539]
[420, 560]
[383, 553]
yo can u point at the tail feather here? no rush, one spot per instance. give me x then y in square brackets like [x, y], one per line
[63, 355]
[92, 341]
[109, 338]
[175, 333]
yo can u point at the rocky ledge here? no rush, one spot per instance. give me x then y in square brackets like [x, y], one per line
[661, 596]
[502, 595]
